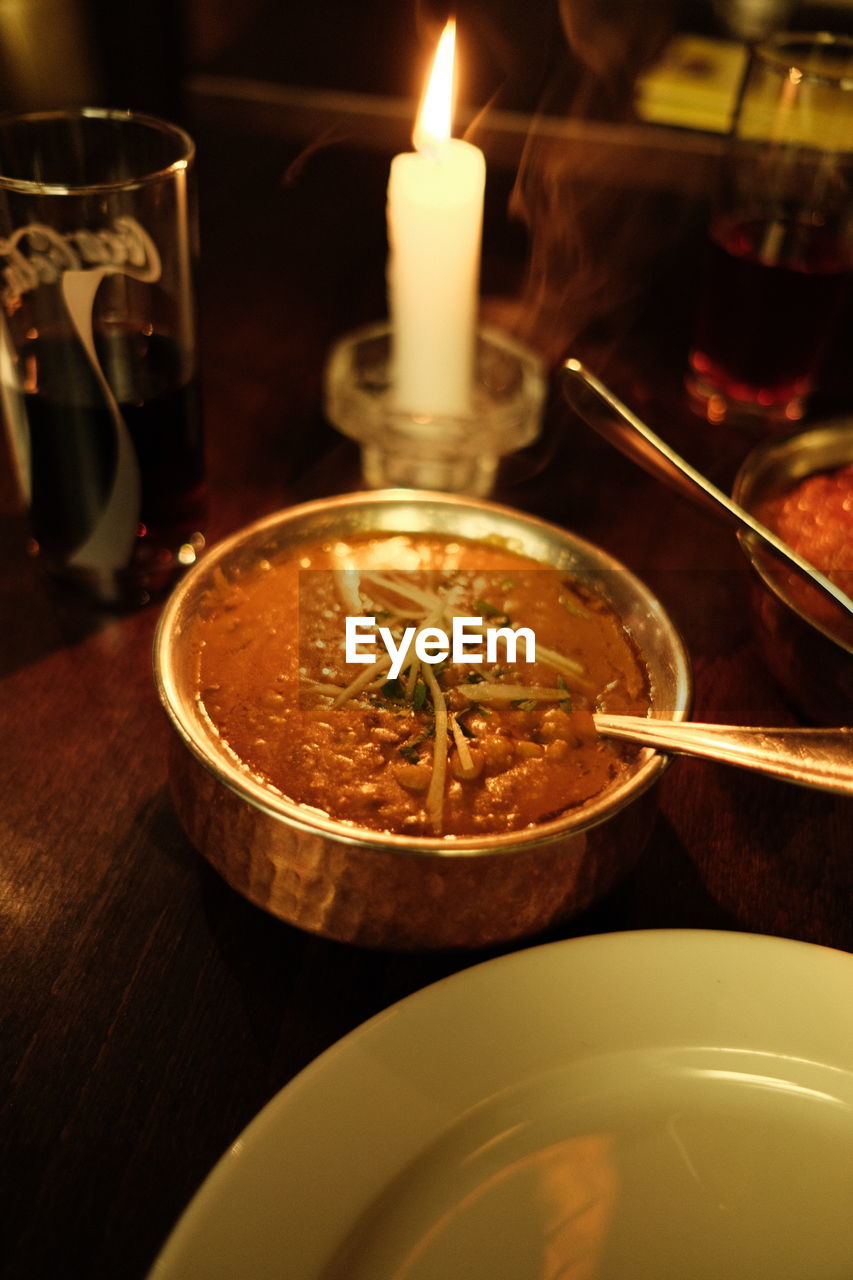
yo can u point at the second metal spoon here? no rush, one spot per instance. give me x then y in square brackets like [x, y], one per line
[613, 420]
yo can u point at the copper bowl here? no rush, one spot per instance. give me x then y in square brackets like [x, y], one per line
[809, 656]
[380, 889]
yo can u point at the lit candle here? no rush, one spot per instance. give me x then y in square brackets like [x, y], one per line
[435, 217]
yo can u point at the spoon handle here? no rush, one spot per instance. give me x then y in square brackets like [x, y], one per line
[613, 420]
[821, 758]
[619, 426]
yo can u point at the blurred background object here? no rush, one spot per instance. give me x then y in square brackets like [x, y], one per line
[45, 44]
[754, 19]
[694, 83]
[62, 53]
[578, 56]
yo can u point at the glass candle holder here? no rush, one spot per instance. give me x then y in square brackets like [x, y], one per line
[453, 454]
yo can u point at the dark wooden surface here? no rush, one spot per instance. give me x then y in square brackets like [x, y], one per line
[147, 1011]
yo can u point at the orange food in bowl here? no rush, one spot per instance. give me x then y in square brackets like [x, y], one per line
[451, 748]
[815, 517]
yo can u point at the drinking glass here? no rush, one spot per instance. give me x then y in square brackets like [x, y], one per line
[780, 265]
[98, 362]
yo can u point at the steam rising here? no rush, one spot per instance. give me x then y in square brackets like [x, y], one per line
[582, 190]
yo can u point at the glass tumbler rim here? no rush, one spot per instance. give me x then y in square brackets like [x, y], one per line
[774, 51]
[185, 147]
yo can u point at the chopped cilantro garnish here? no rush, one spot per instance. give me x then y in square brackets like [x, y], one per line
[393, 689]
[566, 703]
[419, 696]
[487, 610]
[524, 704]
[409, 750]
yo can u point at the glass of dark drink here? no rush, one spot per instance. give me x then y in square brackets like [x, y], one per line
[98, 361]
[779, 268]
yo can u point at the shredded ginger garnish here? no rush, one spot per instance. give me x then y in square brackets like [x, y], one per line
[404, 602]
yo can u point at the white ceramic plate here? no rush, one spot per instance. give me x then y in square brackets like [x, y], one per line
[669, 1105]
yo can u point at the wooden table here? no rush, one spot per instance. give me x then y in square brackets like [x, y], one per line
[147, 1011]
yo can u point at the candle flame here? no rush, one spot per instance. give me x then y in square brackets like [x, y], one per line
[433, 122]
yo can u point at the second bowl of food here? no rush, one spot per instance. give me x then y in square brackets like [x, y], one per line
[366, 745]
[802, 489]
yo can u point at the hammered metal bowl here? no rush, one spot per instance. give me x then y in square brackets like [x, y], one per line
[813, 664]
[379, 889]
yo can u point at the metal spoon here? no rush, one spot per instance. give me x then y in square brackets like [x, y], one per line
[613, 420]
[820, 758]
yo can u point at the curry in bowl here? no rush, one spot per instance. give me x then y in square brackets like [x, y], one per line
[488, 735]
[814, 515]
[802, 489]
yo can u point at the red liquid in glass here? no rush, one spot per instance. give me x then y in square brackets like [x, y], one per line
[771, 297]
[73, 451]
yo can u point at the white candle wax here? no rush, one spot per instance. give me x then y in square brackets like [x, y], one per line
[435, 218]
